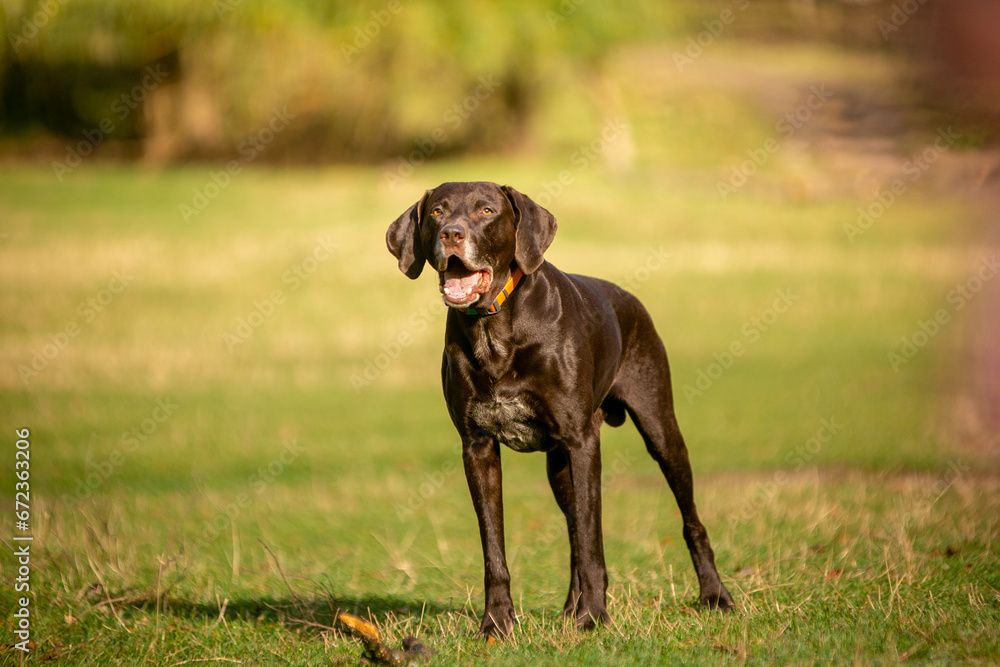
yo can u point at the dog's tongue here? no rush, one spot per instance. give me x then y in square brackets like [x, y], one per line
[459, 285]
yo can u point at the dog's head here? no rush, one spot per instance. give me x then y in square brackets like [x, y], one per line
[471, 233]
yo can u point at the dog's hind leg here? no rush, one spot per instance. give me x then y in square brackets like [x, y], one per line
[644, 386]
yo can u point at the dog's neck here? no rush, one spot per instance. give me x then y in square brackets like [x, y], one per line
[492, 344]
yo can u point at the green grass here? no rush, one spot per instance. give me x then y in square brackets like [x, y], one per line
[200, 545]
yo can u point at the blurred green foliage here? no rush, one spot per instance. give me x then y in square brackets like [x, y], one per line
[365, 80]
[379, 79]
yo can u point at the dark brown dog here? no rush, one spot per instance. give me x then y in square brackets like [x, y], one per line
[537, 359]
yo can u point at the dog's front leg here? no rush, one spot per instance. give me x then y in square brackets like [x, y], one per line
[561, 481]
[481, 455]
[587, 540]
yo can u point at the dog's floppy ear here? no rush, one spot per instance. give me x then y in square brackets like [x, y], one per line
[536, 228]
[403, 239]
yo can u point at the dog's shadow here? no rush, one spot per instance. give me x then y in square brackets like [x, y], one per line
[317, 613]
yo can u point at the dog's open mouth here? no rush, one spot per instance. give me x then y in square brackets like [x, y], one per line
[460, 285]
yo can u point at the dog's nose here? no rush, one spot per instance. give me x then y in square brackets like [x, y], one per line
[452, 235]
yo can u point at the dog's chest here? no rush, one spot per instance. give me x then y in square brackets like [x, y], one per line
[511, 420]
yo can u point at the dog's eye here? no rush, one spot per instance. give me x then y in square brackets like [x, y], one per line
[488, 211]
[436, 211]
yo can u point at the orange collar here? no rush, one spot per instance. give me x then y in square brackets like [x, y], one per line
[515, 278]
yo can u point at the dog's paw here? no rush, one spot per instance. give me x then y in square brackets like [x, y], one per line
[719, 598]
[497, 624]
[586, 616]
[586, 620]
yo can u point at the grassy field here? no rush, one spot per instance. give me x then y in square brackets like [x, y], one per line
[236, 424]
